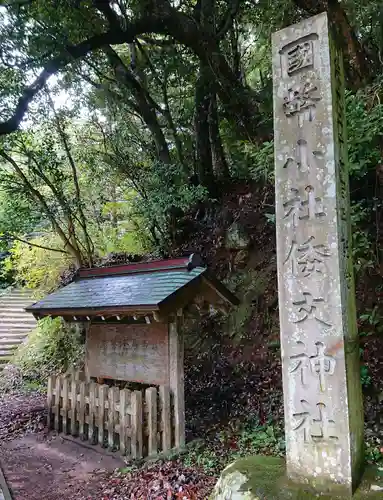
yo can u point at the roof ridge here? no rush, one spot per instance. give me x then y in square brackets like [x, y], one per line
[187, 263]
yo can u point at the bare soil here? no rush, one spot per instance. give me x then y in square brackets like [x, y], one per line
[40, 466]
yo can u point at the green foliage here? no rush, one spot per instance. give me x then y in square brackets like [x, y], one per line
[371, 321]
[250, 439]
[365, 377]
[17, 215]
[261, 439]
[373, 450]
[53, 346]
[252, 161]
[248, 285]
[364, 129]
[37, 268]
[363, 252]
[166, 192]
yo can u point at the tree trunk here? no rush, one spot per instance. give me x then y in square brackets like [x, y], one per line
[221, 168]
[203, 149]
[357, 64]
[145, 104]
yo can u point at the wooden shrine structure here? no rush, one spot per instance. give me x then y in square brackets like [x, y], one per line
[133, 315]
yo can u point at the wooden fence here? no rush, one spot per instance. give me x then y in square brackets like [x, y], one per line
[136, 423]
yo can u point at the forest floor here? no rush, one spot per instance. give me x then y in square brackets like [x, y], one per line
[233, 386]
[233, 409]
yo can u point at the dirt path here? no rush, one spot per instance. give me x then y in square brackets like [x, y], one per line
[40, 465]
[37, 467]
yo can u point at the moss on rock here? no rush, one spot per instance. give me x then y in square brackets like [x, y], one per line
[263, 478]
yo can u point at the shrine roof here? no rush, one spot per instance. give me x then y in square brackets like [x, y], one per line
[162, 286]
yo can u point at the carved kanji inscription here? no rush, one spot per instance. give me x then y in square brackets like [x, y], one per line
[301, 98]
[315, 424]
[319, 364]
[300, 56]
[305, 158]
[303, 206]
[308, 258]
[309, 307]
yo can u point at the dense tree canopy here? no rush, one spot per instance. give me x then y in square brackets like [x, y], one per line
[160, 102]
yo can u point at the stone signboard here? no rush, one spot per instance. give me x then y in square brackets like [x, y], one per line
[320, 356]
[137, 352]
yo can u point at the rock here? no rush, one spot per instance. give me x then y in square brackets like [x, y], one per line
[237, 237]
[263, 478]
[230, 486]
[251, 478]
[241, 259]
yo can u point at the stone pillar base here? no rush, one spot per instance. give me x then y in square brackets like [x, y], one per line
[263, 478]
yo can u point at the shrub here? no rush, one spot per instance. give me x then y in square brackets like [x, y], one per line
[53, 346]
[36, 268]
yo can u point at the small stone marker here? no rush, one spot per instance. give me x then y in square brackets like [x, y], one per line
[320, 355]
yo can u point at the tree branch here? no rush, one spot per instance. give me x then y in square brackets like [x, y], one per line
[13, 237]
[69, 54]
[163, 19]
[111, 16]
[227, 22]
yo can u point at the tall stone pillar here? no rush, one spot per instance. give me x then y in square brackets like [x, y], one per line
[320, 355]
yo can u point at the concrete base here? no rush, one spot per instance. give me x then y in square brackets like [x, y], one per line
[263, 478]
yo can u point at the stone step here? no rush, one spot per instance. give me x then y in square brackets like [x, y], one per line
[17, 301]
[9, 321]
[19, 330]
[4, 315]
[15, 306]
[19, 337]
[4, 341]
[5, 359]
[6, 352]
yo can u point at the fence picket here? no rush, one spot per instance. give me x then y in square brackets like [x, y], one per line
[111, 415]
[73, 409]
[101, 411]
[51, 384]
[124, 417]
[81, 411]
[92, 412]
[136, 438]
[65, 404]
[57, 403]
[113, 411]
[151, 404]
[165, 418]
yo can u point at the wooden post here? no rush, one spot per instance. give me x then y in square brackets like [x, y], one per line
[165, 418]
[124, 401]
[112, 399]
[101, 410]
[92, 411]
[81, 414]
[51, 383]
[73, 397]
[65, 403]
[57, 403]
[136, 441]
[151, 404]
[176, 361]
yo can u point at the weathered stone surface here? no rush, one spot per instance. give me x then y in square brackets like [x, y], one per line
[232, 486]
[263, 478]
[241, 258]
[237, 237]
[320, 357]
